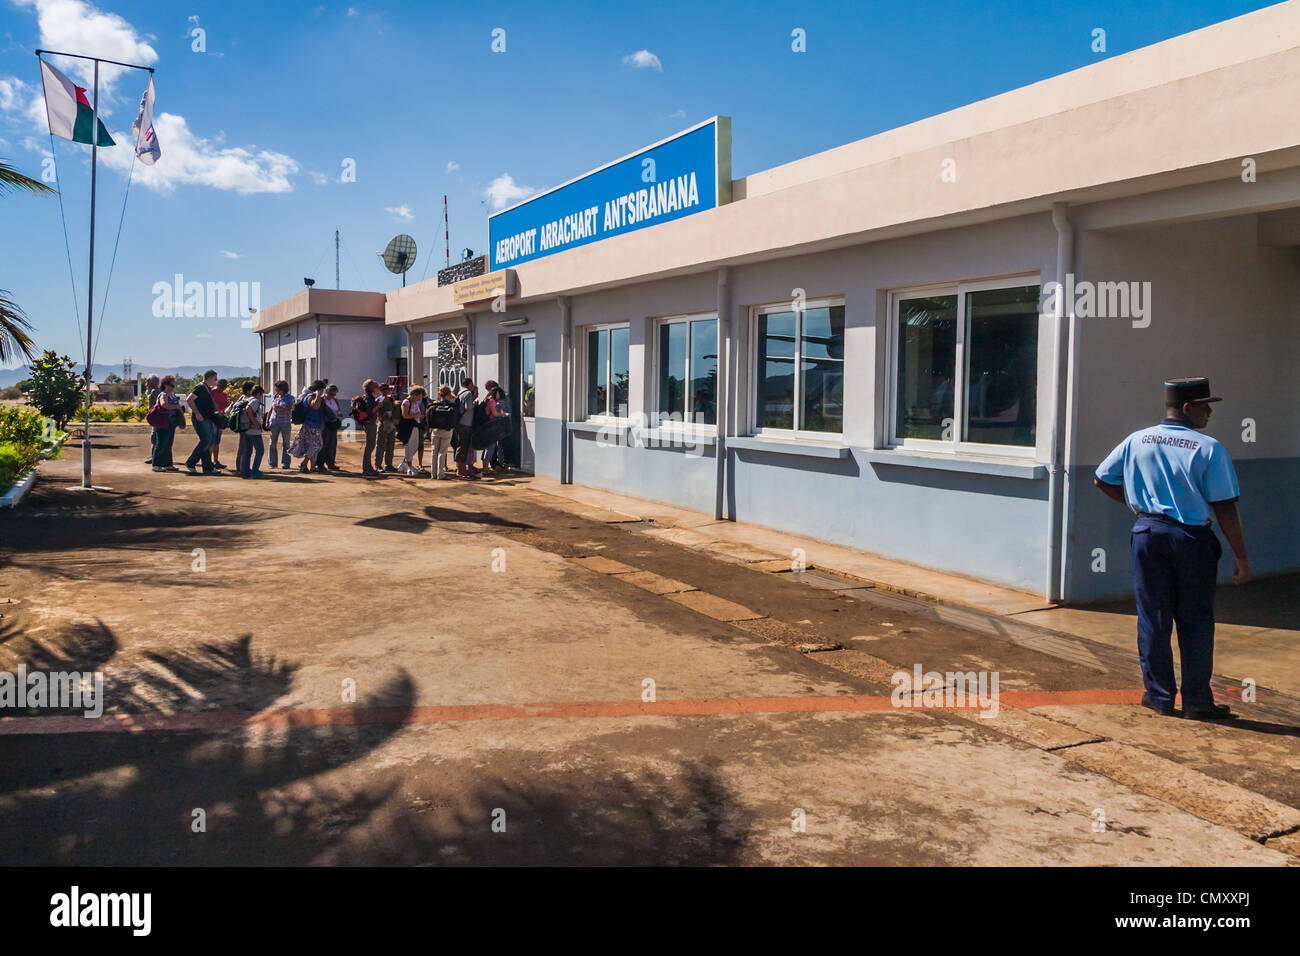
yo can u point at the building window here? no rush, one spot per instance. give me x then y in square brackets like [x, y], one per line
[608, 371]
[266, 374]
[688, 370]
[966, 367]
[800, 369]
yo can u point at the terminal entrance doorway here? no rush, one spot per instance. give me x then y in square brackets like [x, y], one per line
[520, 386]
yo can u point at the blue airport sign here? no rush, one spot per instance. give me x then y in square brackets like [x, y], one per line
[679, 176]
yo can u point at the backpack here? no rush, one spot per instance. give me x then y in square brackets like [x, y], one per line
[299, 413]
[235, 415]
[480, 416]
[443, 415]
[359, 413]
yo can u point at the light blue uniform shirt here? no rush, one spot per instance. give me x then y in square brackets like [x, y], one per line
[1171, 469]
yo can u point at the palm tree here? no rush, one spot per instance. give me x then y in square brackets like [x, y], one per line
[13, 323]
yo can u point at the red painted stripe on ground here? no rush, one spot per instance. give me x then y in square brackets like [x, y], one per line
[433, 714]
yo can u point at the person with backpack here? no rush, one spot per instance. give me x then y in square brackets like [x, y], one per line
[386, 416]
[497, 407]
[308, 442]
[410, 428]
[465, 403]
[170, 403]
[280, 422]
[441, 419]
[246, 420]
[330, 434]
[363, 412]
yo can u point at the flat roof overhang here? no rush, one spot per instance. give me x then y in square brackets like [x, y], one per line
[310, 303]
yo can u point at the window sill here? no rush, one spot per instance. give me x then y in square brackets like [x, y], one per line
[781, 446]
[609, 427]
[677, 436]
[971, 465]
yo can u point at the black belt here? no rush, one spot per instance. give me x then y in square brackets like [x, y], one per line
[1165, 517]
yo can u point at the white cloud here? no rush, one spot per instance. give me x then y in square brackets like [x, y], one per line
[644, 59]
[14, 94]
[317, 177]
[231, 255]
[76, 25]
[401, 212]
[677, 115]
[352, 11]
[503, 191]
[194, 19]
[190, 159]
[452, 166]
[187, 158]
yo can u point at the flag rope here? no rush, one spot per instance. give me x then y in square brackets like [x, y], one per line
[67, 246]
[108, 283]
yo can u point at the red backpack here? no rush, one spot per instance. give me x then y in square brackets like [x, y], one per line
[359, 413]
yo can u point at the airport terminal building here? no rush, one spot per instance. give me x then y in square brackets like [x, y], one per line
[922, 343]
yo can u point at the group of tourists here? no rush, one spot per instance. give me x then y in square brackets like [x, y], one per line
[449, 422]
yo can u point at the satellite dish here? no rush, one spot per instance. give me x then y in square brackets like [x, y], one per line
[399, 256]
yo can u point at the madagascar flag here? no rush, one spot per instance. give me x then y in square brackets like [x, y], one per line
[70, 113]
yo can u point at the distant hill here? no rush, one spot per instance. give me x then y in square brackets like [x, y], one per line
[12, 376]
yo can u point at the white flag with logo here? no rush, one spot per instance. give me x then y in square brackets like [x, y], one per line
[146, 143]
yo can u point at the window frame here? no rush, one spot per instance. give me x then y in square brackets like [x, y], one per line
[605, 416]
[797, 434]
[687, 319]
[955, 447]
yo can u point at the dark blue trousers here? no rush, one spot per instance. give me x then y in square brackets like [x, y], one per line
[1174, 571]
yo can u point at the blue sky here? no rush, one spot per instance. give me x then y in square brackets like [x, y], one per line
[257, 128]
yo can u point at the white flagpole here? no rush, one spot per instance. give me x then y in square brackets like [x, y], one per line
[90, 291]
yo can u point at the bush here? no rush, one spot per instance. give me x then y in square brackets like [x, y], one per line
[16, 461]
[21, 426]
[11, 393]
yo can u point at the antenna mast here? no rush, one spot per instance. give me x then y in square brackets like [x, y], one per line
[336, 259]
[446, 229]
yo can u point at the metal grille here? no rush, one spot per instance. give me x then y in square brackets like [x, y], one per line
[453, 358]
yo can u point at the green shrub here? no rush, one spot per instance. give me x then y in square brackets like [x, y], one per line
[23, 426]
[16, 461]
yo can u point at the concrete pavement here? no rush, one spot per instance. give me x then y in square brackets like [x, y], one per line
[267, 604]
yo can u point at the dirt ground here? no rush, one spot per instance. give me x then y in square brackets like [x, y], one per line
[330, 669]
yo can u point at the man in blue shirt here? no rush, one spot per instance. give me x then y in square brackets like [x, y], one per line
[1174, 479]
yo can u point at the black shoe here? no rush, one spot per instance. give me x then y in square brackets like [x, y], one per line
[1165, 710]
[1213, 712]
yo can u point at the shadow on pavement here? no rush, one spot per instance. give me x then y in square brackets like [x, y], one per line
[296, 795]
